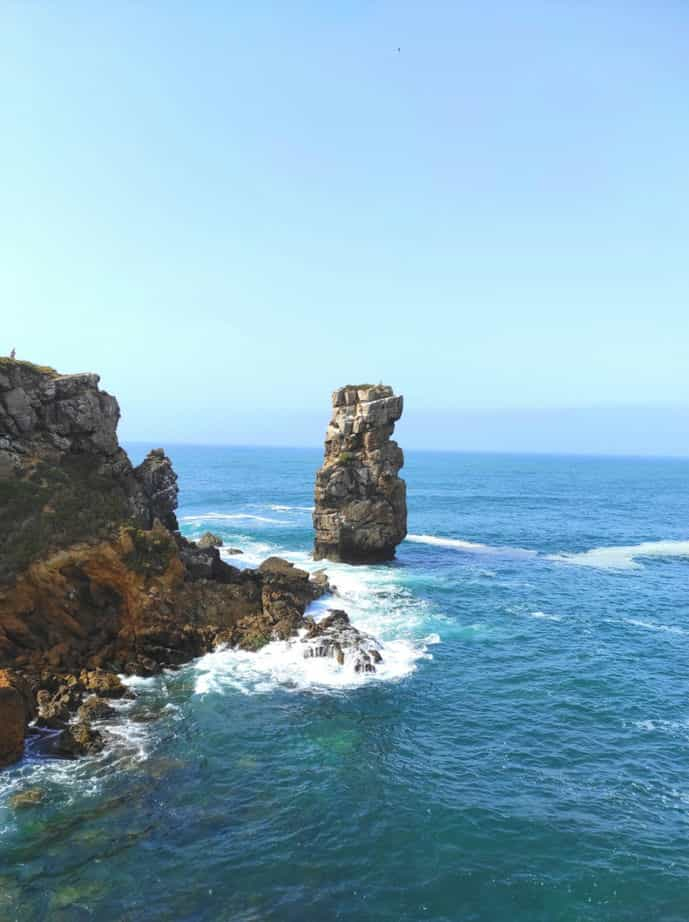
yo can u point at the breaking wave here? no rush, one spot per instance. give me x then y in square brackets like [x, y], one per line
[232, 517]
[615, 557]
[458, 544]
[623, 557]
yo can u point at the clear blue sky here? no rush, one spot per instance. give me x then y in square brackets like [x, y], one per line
[228, 209]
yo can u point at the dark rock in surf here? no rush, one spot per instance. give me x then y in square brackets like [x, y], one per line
[335, 637]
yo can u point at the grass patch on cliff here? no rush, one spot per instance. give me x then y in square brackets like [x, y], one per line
[55, 506]
[7, 362]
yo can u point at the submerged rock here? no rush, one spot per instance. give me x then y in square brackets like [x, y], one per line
[335, 637]
[360, 513]
[28, 798]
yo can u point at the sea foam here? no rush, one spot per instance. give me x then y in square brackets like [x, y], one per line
[473, 547]
[623, 557]
[376, 603]
[615, 557]
[232, 517]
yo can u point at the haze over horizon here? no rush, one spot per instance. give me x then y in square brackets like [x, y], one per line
[228, 213]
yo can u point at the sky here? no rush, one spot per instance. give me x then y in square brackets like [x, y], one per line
[230, 209]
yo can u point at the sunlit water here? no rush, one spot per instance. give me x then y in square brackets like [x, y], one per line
[523, 753]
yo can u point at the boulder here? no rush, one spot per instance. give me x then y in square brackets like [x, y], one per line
[208, 539]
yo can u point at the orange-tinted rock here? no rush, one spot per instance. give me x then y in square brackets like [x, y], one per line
[12, 720]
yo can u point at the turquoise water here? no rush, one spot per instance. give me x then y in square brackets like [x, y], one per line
[523, 754]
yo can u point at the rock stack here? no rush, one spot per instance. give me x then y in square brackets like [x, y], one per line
[360, 513]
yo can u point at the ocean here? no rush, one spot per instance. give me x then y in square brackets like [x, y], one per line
[522, 754]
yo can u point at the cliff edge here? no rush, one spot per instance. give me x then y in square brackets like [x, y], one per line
[95, 578]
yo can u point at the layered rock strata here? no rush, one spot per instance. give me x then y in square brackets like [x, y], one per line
[360, 513]
[95, 579]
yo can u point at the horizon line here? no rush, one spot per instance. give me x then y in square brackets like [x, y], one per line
[433, 451]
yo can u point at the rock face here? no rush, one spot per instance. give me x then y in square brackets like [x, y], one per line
[360, 511]
[95, 579]
[12, 719]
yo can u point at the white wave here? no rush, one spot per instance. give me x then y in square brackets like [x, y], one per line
[231, 517]
[459, 544]
[623, 557]
[281, 664]
[654, 626]
[544, 616]
[279, 508]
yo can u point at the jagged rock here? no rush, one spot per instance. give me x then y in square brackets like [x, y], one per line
[104, 684]
[208, 539]
[235, 551]
[320, 579]
[95, 708]
[159, 483]
[78, 739]
[335, 637]
[360, 513]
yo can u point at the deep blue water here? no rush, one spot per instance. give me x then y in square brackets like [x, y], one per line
[523, 754]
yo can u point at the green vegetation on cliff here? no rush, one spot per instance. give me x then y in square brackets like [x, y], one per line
[55, 506]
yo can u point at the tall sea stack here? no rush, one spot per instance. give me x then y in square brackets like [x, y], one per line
[360, 513]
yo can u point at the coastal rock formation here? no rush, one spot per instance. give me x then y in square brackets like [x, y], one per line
[360, 511]
[95, 579]
[335, 637]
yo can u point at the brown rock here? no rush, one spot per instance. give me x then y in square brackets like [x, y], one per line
[78, 739]
[208, 539]
[95, 708]
[28, 798]
[12, 720]
[94, 577]
[360, 513]
[104, 684]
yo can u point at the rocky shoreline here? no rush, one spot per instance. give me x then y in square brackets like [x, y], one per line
[95, 578]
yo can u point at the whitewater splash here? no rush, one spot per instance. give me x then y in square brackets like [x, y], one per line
[377, 605]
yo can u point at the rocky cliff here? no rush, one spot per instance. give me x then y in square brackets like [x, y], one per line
[360, 513]
[94, 577]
